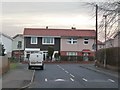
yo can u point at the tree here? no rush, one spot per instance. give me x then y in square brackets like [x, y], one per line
[111, 10]
[2, 50]
[50, 52]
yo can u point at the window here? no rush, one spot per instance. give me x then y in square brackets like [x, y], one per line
[72, 53]
[72, 40]
[19, 45]
[33, 40]
[47, 40]
[86, 41]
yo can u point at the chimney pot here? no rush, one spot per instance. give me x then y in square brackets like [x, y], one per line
[46, 27]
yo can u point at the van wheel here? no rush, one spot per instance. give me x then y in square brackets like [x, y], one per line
[42, 67]
[29, 67]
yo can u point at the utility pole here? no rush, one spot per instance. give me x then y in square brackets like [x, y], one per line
[105, 16]
[96, 27]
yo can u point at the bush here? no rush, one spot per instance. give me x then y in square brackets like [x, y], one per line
[2, 50]
[71, 58]
[13, 60]
[91, 58]
[57, 56]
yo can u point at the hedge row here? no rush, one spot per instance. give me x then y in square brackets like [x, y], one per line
[75, 58]
[112, 56]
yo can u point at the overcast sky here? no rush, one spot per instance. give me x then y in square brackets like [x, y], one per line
[19, 15]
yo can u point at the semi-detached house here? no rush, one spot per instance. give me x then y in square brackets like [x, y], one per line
[69, 42]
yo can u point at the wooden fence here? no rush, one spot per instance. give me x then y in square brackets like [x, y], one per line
[4, 64]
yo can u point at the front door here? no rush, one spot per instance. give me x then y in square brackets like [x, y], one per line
[85, 56]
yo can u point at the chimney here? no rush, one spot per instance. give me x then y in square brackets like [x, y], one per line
[73, 28]
[46, 27]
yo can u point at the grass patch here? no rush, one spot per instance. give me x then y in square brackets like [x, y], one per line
[13, 65]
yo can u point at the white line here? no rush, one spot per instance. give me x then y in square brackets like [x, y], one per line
[111, 80]
[72, 75]
[85, 79]
[63, 69]
[66, 71]
[71, 79]
[46, 80]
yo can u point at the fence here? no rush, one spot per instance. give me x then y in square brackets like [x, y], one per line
[112, 56]
[4, 64]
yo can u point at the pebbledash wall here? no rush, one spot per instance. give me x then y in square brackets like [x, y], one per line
[78, 47]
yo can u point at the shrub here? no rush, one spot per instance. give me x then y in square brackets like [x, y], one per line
[71, 58]
[2, 50]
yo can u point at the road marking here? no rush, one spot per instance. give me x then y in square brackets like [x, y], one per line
[59, 80]
[63, 69]
[46, 80]
[111, 80]
[72, 75]
[71, 79]
[85, 79]
[66, 71]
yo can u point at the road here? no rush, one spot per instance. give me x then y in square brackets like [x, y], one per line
[71, 76]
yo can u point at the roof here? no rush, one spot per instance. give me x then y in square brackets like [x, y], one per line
[17, 35]
[100, 43]
[85, 50]
[59, 32]
[5, 35]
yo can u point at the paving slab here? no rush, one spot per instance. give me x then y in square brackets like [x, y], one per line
[17, 78]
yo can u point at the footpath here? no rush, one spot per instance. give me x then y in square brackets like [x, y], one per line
[18, 77]
[100, 70]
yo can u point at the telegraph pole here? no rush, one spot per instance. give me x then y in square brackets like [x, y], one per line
[105, 16]
[96, 27]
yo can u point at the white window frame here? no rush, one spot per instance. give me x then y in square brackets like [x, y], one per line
[86, 41]
[51, 43]
[72, 40]
[36, 40]
[70, 54]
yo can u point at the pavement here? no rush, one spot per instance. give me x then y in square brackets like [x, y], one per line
[100, 70]
[18, 77]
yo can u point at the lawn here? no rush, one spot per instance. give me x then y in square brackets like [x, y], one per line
[13, 65]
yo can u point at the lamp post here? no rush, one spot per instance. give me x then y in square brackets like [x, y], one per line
[105, 16]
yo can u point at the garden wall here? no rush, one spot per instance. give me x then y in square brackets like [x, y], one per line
[4, 64]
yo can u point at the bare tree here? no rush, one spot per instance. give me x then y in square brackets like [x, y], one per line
[110, 9]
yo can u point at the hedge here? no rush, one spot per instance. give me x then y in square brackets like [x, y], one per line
[75, 58]
[112, 56]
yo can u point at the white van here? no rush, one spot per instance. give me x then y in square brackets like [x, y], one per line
[36, 60]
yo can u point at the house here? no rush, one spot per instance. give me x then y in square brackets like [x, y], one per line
[100, 45]
[117, 39]
[109, 43]
[7, 42]
[69, 42]
[18, 46]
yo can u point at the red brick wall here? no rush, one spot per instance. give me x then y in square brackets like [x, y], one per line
[64, 53]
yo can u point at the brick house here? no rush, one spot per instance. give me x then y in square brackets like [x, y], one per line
[69, 42]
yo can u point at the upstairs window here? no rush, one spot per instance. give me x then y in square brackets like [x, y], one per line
[47, 40]
[19, 45]
[86, 40]
[72, 40]
[33, 40]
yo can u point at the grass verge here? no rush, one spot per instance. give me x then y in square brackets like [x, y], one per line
[13, 65]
